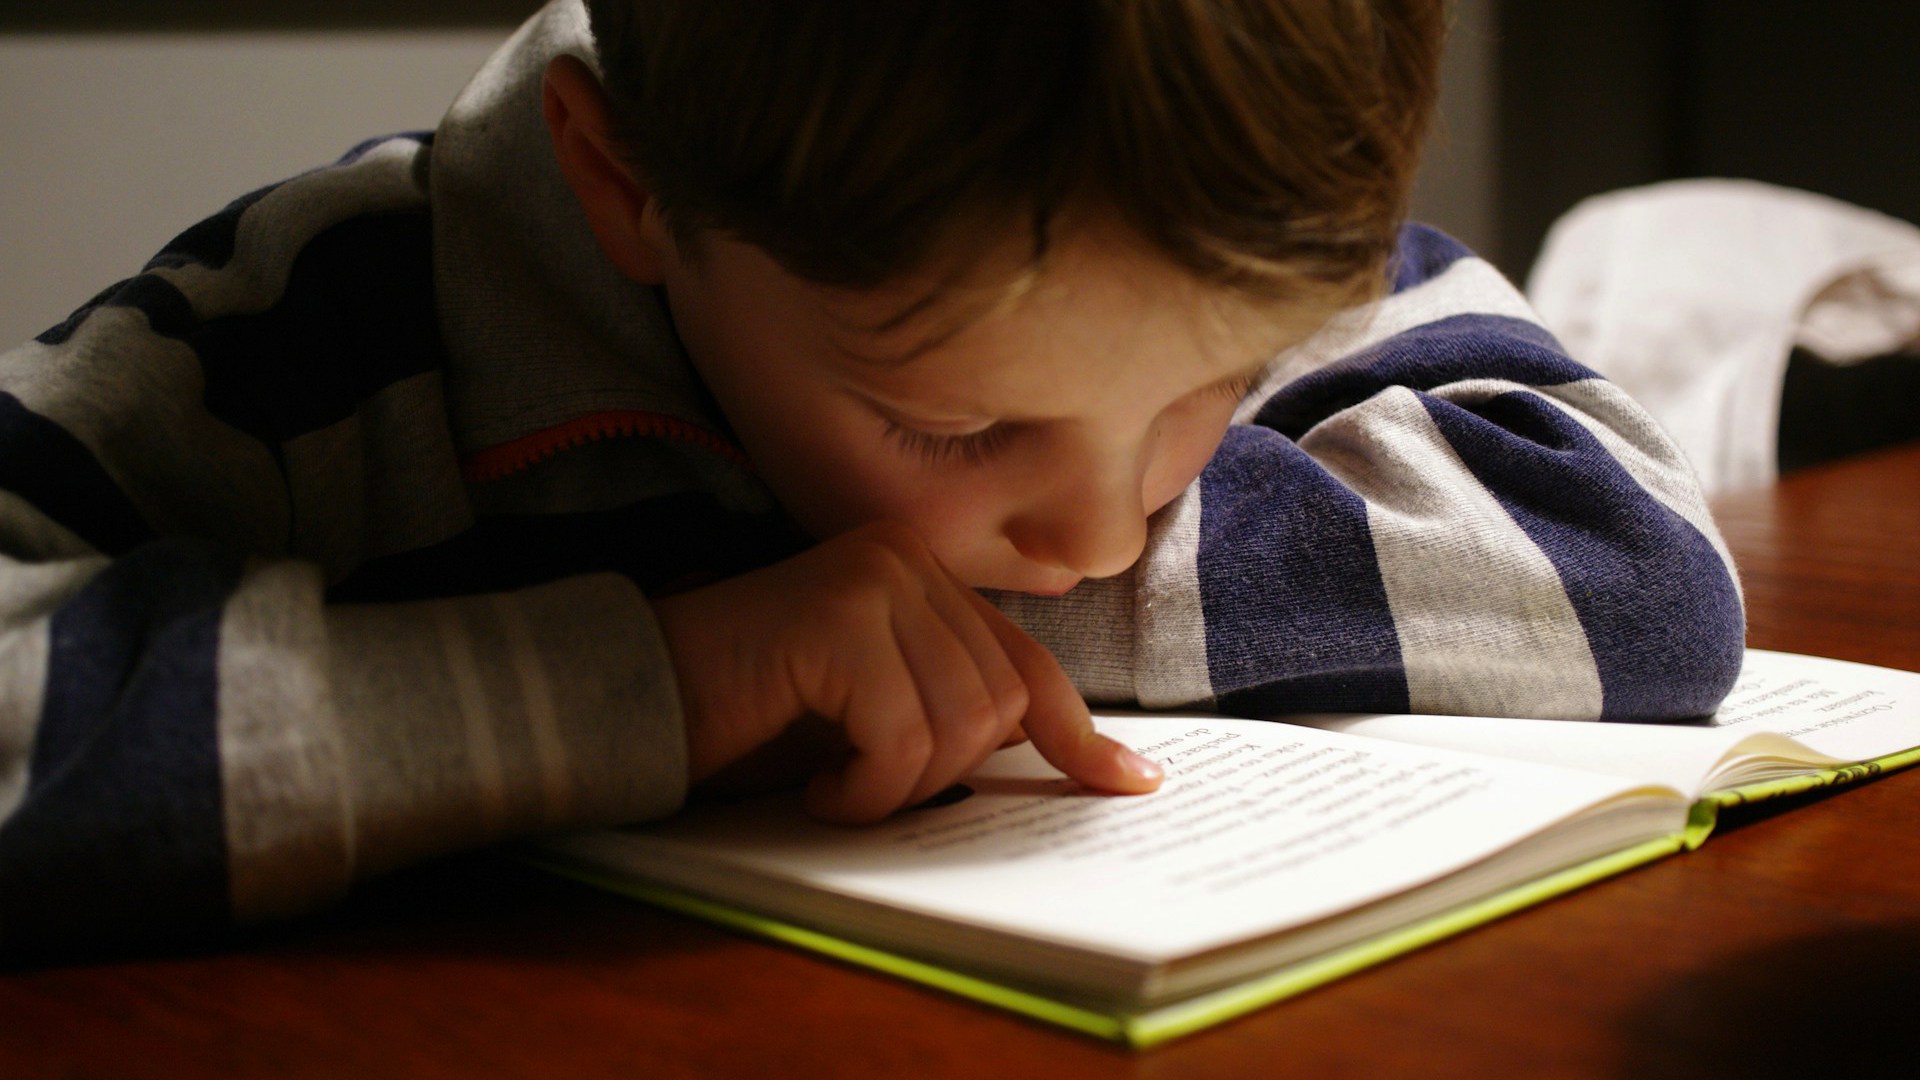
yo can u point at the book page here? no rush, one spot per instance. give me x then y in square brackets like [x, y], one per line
[1851, 712]
[1806, 709]
[1259, 826]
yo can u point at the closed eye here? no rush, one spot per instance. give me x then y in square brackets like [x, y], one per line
[972, 448]
[1235, 389]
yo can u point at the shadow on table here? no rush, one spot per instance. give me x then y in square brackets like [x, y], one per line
[476, 904]
[1840, 1003]
[484, 903]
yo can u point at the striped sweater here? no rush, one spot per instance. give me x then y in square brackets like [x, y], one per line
[325, 540]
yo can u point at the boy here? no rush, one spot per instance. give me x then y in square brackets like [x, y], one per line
[657, 424]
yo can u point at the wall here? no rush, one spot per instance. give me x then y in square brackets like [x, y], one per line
[113, 143]
[1457, 188]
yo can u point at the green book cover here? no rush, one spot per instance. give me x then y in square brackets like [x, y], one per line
[1145, 1028]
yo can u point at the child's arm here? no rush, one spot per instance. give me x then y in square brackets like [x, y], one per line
[191, 732]
[1437, 511]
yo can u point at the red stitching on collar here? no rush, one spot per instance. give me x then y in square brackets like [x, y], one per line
[518, 455]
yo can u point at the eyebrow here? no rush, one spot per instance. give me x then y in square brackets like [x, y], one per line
[918, 350]
[1252, 373]
[966, 315]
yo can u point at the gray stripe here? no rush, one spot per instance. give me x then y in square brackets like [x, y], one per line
[1469, 286]
[290, 816]
[1138, 637]
[28, 534]
[550, 760]
[1645, 450]
[1171, 649]
[1484, 622]
[456, 718]
[383, 480]
[1090, 631]
[272, 232]
[485, 772]
[595, 703]
[134, 399]
[1628, 433]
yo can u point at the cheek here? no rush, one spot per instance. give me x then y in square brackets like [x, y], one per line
[826, 483]
[1186, 446]
[951, 510]
[840, 471]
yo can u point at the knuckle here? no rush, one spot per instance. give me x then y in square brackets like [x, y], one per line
[1026, 654]
[896, 547]
[982, 714]
[904, 746]
[1010, 699]
[870, 566]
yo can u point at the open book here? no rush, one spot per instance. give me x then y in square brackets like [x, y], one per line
[1276, 857]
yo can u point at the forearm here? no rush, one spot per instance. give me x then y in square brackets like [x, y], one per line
[433, 726]
[215, 744]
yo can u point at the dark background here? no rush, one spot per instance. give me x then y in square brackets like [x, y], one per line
[1609, 93]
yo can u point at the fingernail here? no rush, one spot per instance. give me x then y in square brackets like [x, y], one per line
[1143, 767]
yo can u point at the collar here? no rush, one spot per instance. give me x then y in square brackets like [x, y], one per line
[547, 342]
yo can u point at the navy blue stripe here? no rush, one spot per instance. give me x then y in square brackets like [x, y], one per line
[1296, 612]
[1424, 253]
[45, 465]
[360, 149]
[167, 311]
[210, 242]
[664, 545]
[358, 315]
[61, 331]
[1448, 350]
[1659, 609]
[121, 836]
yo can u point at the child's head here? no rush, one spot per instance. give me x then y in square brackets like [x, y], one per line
[990, 266]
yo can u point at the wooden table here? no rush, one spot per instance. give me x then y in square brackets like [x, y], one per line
[1787, 945]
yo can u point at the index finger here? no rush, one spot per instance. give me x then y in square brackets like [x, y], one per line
[1058, 723]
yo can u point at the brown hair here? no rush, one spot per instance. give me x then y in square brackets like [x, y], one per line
[1268, 145]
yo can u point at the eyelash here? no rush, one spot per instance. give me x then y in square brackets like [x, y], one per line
[938, 449]
[1239, 387]
[977, 447]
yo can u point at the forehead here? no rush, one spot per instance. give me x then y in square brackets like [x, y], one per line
[1102, 303]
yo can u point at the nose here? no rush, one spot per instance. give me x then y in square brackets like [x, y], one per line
[1092, 521]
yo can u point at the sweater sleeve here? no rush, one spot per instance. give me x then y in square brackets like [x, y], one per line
[191, 733]
[1428, 507]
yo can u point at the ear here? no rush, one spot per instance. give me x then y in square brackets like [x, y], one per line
[620, 210]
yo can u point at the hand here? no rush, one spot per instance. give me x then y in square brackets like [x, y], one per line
[921, 676]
